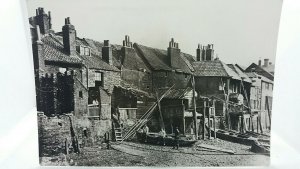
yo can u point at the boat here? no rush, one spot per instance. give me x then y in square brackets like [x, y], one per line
[169, 140]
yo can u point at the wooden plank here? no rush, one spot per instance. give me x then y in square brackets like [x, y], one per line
[210, 147]
[194, 105]
[214, 113]
[203, 126]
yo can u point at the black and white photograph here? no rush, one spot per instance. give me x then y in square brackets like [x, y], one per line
[154, 83]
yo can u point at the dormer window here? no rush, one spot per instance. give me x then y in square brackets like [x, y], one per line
[87, 51]
[83, 50]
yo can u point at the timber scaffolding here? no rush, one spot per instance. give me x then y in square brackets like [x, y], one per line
[212, 133]
[145, 118]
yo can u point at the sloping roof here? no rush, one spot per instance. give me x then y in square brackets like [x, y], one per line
[158, 59]
[255, 75]
[133, 61]
[269, 68]
[259, 70]
[97, 50]
[237, 70]
[94, 61]
[214, 68]
[54, 51]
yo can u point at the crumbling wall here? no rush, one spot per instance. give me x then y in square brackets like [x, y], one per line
[55, 132]
[137, 79]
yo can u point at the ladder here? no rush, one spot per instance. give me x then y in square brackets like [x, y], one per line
[117, 132]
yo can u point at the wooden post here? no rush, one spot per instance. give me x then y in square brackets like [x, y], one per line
[161, 120]
[214, 118]
[268, 108]
[226, 104]
[204, 110]
[257, 119]
[242, 123]
[209, 124]
[194, 107]
[66, 147]
[183, 109]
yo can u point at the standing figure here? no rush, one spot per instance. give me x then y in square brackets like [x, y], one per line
[176, 140]
[163, 135]
[146, 131]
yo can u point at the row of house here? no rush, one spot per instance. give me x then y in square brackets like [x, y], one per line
[92, 80]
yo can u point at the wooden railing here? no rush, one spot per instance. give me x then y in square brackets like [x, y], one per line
[127, 113]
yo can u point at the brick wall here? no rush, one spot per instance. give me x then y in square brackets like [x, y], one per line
[54, 131]
[138, 79]
[110, 79]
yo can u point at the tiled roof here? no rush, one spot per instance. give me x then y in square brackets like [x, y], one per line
[133, 61]
[269, 68]
[97, 50]
[158, 59]
[239, 72]
[54, 51]
[259, 70]
[94, 61]
[214, 68]
[255, 75]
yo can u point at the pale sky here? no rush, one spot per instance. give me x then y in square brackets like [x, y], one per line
[242, 31]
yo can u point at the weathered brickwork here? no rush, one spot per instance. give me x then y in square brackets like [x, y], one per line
[138, 79]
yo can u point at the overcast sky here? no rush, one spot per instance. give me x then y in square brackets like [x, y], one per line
[242, 31]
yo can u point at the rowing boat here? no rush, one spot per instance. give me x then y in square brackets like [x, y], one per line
[169, 140]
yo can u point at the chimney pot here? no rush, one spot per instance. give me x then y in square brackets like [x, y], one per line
[266, 62]
[106, 42]
[259, 62]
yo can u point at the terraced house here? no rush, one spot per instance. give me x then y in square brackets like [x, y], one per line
[90, 81]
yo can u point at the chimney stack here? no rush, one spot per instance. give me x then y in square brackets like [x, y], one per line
[199, 53]
[209, 52]
[37, 49]
[266, 62]
[174, 54]
[43, 20]
[126, 42]
[107, 52]
[259, 62]
[69, 37]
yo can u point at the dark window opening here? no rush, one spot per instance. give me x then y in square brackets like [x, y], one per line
[80, 94]
[98, 79]
[166, 74]
[148, 87]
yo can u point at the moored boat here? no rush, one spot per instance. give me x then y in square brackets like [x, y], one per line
[169, 140]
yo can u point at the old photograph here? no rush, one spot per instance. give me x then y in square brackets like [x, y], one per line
[154, 83]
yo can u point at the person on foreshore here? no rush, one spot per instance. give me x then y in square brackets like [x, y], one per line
[176, 139]
[146, 131]
[162, 133]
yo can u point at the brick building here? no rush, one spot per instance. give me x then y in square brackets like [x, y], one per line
[88, 80]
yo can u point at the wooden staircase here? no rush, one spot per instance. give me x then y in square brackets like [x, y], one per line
[118, 133]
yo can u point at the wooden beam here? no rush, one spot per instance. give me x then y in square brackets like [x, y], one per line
[210, 147]
[214, 118]
[194, 105]
[203, 125]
